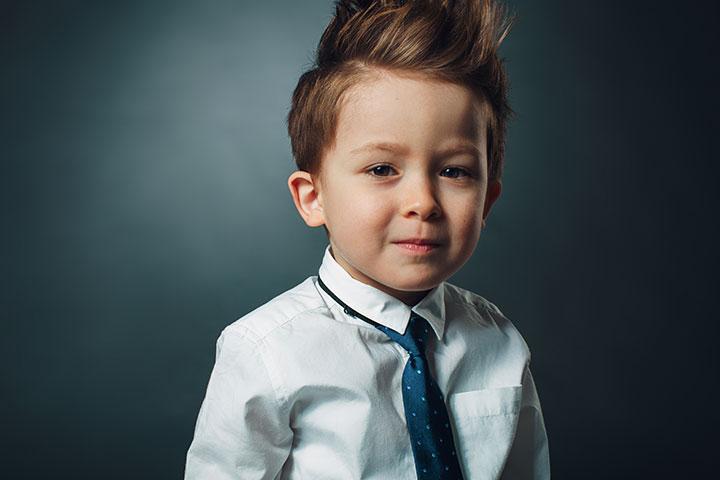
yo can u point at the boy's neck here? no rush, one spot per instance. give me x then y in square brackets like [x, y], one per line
[409, 298]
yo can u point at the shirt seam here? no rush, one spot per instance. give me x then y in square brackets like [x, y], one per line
[261, 347]
[261, 350]
[261, 338]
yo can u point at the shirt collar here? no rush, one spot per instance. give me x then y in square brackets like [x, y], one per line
[377, 305]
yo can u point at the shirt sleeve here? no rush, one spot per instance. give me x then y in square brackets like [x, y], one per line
[529, 457]
[242, 429]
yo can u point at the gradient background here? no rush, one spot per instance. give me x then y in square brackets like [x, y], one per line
[144, 207]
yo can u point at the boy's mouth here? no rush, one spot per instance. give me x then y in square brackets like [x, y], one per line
[417, 249]
[419, 241]
[418, 245]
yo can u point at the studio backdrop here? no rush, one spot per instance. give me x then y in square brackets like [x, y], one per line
[144, 159]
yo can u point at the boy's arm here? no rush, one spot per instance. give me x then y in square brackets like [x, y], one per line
[529, 457]
[242, 430]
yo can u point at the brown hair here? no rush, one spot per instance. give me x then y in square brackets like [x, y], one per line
[449, 40]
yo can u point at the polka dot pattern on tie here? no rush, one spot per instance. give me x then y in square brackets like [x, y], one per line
[427, 418]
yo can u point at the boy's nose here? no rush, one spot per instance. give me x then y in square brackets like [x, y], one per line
[420, 199]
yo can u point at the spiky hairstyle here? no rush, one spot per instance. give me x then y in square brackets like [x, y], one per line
[455, 41]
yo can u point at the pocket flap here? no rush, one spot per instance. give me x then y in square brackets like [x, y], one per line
[487, 402]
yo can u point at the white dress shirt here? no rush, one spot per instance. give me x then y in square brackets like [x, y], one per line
[302, 390]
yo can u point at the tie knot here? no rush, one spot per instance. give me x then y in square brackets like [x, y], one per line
[417, 333]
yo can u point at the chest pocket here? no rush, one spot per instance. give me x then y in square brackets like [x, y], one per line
[485, 423]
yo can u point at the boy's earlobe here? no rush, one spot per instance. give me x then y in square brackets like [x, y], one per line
[493, 192]
[307, 198]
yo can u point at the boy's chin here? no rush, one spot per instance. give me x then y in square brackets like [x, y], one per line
[412, 285]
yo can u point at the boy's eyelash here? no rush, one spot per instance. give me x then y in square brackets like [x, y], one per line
[372, 169]
[460, 169]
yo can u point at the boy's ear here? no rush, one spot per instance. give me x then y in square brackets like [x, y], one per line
[493, 192]
[305, 192]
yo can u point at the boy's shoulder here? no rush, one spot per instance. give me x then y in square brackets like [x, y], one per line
[484, 307]
[261, 321]
[457, 294]
[484, 312]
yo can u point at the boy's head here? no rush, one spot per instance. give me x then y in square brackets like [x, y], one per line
[398, 133]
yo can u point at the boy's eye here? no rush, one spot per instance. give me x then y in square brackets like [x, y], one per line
[385, 170]
[380, 170]
[455, 171]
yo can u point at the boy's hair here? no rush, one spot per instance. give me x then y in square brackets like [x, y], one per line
[449, 40]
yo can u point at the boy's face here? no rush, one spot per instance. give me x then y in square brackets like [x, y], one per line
[409, 162]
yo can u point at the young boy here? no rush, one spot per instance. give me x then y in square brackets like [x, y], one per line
[377, 368]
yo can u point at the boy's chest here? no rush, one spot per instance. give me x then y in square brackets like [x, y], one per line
[345, 395]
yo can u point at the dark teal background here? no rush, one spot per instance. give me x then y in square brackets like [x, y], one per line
[145, 207]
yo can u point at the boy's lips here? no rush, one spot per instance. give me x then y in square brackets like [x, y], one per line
[419, 241]
[418, 246]
[415, 247]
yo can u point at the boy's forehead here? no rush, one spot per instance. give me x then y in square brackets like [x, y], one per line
[384, 106]
[368, 86]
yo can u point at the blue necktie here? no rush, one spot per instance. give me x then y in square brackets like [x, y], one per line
[425, 411]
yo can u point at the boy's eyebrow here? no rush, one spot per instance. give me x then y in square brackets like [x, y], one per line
[385, 146]
[456, 148]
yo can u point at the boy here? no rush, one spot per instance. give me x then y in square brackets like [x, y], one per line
[376, 367]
